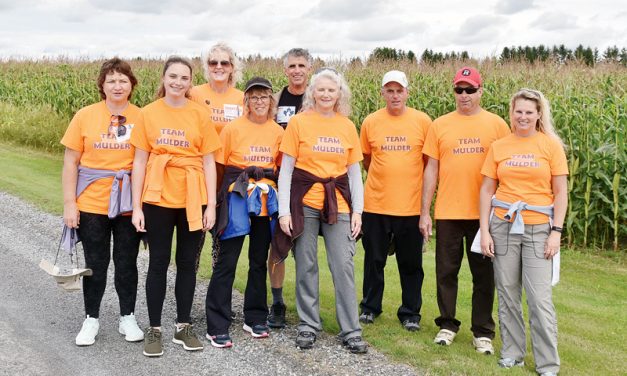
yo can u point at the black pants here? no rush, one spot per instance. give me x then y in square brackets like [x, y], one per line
[449, 252]
[160, 224]
[219, 293]
[95, 232]
[379, 231]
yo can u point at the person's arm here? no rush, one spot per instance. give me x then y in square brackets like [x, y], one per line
[366, 161]
[357, 197]
[69, 178]
[209, 167]
[285, 186]
[137, 185]
[560, 203]
[488, 187]
[429, 182]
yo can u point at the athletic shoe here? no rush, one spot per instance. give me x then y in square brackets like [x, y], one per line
[509, 363]
[411, 325]
[88, 333]
[185, 336]
[220, 341]
[305, 340]
[276, 317]
[356, 345]
[548, 374]
[128, 328]
[257, 331]
[152, 343]
[366, 318]
[444, 337]
[483, 345]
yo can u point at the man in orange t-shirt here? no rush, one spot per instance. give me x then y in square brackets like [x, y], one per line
[391, 141]
[456, 145]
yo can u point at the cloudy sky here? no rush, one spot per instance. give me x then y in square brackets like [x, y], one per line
[330, 29]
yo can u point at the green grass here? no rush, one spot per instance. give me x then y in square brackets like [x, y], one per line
[590, 299]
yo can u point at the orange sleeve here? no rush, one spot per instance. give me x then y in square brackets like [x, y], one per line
[354, 154]
[558, 162]
[210, 140]
[363, 136]
[72, 139]
[430, 147]
[291, 139]
[489, 165]
[503, 128]
[222, 156]
[139, 138]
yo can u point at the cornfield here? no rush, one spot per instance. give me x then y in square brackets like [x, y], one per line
[38, 98]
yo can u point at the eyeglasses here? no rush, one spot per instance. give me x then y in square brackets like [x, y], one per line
[263, 98]
[468, 90]
[214, 63]
[116, 126]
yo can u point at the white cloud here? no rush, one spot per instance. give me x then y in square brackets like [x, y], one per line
[349, 10]
[383, 29]
[478, 29]
[513, 6]
[551, 21]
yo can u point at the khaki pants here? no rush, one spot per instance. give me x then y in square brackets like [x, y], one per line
[519, 261]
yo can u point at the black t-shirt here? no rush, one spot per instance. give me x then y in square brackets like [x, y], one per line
[288, 106]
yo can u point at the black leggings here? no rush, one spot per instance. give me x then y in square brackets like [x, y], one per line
[95, 234]
[160, 223]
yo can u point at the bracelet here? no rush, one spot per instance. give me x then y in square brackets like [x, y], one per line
[557, 229]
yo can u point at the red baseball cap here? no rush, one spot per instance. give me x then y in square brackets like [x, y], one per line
[468, 75]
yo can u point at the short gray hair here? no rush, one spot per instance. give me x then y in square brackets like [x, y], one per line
[298, 52]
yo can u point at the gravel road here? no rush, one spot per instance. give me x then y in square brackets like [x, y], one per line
[39, 321]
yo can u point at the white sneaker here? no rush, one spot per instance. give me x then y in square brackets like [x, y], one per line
[129, 328]
[88, 333]
[483, 345]
[444, 337]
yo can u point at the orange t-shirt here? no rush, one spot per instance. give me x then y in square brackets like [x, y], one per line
[324, 147]
[460, 144]
[183, 132]
[394, 181]
[223, 107]
[88, 133]
[524, 167]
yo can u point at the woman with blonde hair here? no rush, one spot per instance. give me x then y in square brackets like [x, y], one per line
[174, 186]
[523, 201]
[321, 191]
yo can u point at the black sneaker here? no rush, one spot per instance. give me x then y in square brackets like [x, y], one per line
[276, 317]
[411, 325]
[257, 331]
[220, 341]
[366, 318]
[305, 340]
[356, 345]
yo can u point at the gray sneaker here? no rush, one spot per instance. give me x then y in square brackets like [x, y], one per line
[186, 337]
[152, 342]
[411, 325]
[305, 339]
[510, 362]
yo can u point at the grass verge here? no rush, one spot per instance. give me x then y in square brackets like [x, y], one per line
[590, 299]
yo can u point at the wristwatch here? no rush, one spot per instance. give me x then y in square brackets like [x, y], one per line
[557, 229]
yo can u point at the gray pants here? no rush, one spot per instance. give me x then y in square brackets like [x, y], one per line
[520, 262]
[340, 251]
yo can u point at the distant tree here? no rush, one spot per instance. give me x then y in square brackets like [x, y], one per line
[411, 56]
[610, 55]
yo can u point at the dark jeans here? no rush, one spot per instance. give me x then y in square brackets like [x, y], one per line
[449, 252]
[95, 232]
[220, 291]
[160, 224]
[379, 231]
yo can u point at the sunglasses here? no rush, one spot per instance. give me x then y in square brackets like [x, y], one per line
[468, 90]
[214, 63]
[116, 126]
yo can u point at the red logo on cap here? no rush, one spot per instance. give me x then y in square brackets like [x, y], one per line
[466, 72]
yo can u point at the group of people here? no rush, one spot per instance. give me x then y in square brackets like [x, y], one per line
[285, 168]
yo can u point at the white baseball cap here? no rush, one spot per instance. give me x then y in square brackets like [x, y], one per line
[395, 76]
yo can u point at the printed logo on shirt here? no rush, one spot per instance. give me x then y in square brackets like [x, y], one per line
[328, 145]
[522, 160]
[172, 137]
[395, 143]
[115, 141]
[259, 154]
[227, 113]
[469, 146]
[285, 113]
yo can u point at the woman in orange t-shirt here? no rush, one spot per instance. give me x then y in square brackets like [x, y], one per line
[174, 187]
[96, 166]
[247, 206]
[321, 191]
[526, 172]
